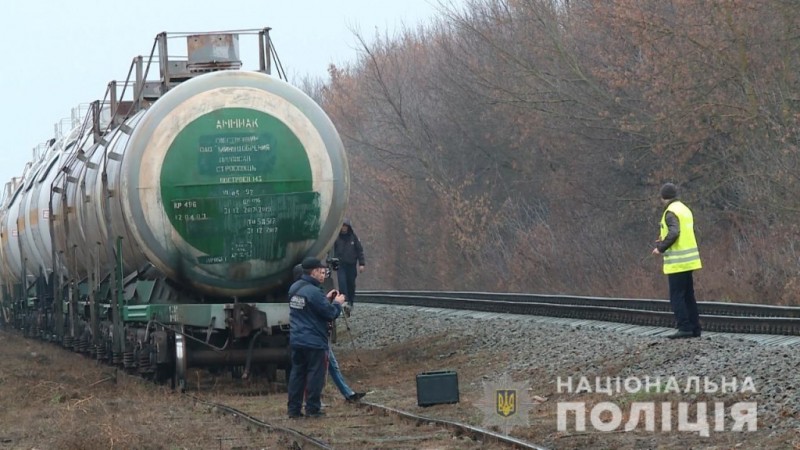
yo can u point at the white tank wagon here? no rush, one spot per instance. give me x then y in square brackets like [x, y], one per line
[164, 228]
[27, 250]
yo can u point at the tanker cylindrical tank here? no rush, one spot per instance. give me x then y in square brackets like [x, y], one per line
[6, 278]
[41, 224]
[30, 254]
[226, 182]
[80, 225]
[12, 256]
[34, 225]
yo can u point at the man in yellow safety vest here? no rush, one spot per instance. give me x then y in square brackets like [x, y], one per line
[678, 245]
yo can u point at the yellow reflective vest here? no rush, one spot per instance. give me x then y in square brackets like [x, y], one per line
[683, 255]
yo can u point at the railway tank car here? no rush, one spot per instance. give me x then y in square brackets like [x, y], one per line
[160, 232]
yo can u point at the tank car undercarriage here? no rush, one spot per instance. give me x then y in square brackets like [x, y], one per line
[163, 331]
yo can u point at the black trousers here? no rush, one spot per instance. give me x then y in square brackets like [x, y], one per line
[347, 281]
[307, 377]
[681, 298]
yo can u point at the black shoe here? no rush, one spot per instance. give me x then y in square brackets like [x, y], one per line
[697, 332]
[295, 415]
[680, 334]
[315, 414]
[356, 396]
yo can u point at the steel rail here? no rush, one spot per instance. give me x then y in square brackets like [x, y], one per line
[259, 423]
[460, 427]
[711, 308]
[727, 318]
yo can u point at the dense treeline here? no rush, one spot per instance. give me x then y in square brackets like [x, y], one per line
[519, 145]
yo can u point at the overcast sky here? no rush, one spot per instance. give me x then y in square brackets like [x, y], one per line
[59, 54]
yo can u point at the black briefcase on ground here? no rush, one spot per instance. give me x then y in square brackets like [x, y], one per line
[437, 387]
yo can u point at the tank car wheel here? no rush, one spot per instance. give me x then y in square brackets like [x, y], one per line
[179, 375]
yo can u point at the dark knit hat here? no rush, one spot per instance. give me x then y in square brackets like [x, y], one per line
[669, 191]
[312, 263]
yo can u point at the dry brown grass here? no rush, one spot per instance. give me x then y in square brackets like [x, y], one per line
[54, 399]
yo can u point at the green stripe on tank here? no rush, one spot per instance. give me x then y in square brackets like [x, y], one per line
[236, 184]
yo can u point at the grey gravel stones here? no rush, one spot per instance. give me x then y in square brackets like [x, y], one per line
[542, 352]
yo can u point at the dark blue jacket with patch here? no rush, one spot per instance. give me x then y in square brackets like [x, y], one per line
[309, 314]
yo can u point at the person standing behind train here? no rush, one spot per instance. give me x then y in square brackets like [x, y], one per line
[310, 313]
[350, 252]
[681, 258]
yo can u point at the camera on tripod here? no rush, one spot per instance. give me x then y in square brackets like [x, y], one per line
[333, 263]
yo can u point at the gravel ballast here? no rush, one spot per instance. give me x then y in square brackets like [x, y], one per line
[541, 353]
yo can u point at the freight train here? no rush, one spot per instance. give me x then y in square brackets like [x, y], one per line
[160, 232]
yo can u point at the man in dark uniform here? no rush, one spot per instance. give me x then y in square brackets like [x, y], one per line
[351, 260]
[310, 313]
[333, 366]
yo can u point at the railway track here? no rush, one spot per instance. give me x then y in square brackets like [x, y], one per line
[715, 316]
[363, 425]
